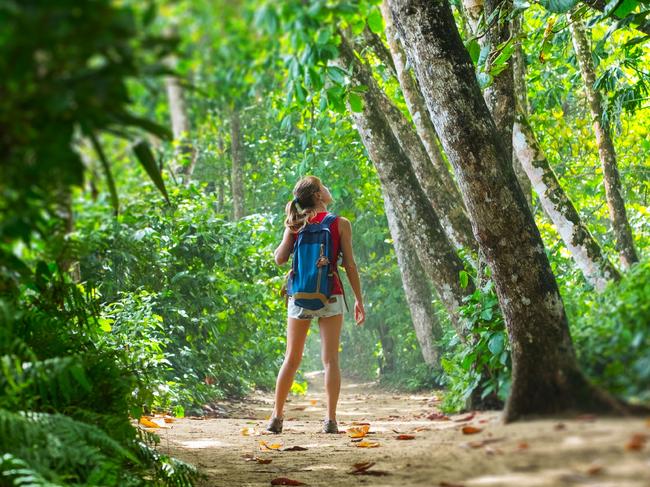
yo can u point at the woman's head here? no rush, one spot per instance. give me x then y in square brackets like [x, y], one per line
[309, 194]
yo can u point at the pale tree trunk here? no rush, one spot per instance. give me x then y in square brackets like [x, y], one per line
[426, 131]
[606, 152]
[450, 211]
[545, 376]
[237, 169]
[416, 288]
[585, 250]
[180, 127]
[435, 251]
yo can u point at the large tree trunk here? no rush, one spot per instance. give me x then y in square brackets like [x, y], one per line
[449, 210]
[545, 378]
[427, 134]
[180, 127]
[237, 169]
[416, 288]
[606, 152]
[558, 206]
[436, 253]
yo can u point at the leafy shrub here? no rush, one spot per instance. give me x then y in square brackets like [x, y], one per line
[612, 337]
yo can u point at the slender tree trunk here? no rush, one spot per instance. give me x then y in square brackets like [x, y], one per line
[558, 206]
[435, 252]
[416, 288]
[237, 171]
[180, 127]
[546, 378]
[450, 211]
[611, 178]
[427, 134]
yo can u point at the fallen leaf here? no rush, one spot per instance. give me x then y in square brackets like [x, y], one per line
[313, 402]
[295, 448]
[450, 484]
[481, 443]
[594, 470]
[358, 423]
[169, 420]
[272, 446]
[147, 423]
[471, 430]
[559, 427]
[636, 443]
[253, 458]
[358, 431]
[359, 467]
[299, 408]
[405, 437]
[422, 428]
[286, 481]
[367, 444]
[438, 417]
[522, 445]
[465, 418]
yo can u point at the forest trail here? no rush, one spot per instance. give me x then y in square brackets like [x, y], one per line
[585, 451]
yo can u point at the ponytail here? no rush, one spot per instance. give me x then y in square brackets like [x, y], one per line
[302, 208]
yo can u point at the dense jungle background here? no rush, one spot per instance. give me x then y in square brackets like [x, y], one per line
[148, 150]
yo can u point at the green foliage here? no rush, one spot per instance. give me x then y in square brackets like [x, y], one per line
[483, 363]
[612, 336]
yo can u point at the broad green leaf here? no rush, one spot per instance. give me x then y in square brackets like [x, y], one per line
[356, 102]
[146, 158]
[376, 21]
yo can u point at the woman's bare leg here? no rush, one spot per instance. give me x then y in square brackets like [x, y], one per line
[296, 336]
[330, 335]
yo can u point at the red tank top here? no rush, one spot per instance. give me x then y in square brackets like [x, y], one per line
[336, 244]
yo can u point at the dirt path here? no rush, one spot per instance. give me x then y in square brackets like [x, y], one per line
[585, 451]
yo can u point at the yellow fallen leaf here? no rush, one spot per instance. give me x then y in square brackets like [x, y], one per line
[147, 423]
[367, 444]
[244, 431]
[272, 446]
[358, 432]
[313, 402]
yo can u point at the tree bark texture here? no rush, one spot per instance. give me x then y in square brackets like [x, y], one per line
[545, 378]
[435, 251]
[606, 152]
[450, 211]
[180, 126]
[462, 235]
[416, 288]
[237, 167]
[585, 250]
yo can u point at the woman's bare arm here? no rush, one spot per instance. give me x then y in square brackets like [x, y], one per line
[350, 266]
[283, 251]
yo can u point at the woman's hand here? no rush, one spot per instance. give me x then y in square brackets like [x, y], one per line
[359, 313]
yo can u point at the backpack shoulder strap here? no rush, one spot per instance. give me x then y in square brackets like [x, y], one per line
[329, 219]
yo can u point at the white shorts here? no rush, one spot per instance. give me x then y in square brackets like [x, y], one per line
[335, 306]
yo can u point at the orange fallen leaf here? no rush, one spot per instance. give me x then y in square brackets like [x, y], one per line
[364, 469]
[636, 443]
[358, 431]
[471, 430]
[465, 418]
[286, 481]
[169, 420]
[272, 446]
[405, 437]
[147, 423]
[522, 445]
[313, 402]
[438, 417]
[367, 444]
[594, 470]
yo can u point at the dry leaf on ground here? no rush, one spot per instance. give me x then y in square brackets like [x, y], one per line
[636, 443]
[471, 430]
[367, 444]
[147, 423]
[438, 417]
[465, 418]
[286, 481]
[272, 446]
[295, 448]
[358, 431]
[405, 437]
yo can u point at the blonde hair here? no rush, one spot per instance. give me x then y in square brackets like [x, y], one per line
[302, 207]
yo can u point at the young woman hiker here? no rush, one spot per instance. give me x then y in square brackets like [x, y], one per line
[309, 205]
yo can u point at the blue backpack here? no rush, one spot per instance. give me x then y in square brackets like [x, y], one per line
[310, 276]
